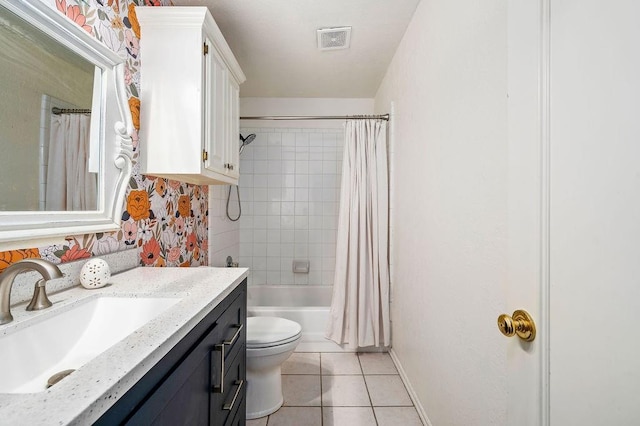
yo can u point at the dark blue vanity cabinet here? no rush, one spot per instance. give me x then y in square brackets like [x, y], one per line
[201, 381]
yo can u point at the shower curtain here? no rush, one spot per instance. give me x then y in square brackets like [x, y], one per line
[70, 185]
[360, 304]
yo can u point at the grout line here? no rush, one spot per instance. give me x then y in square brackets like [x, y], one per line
[321, 394]
[367, 388]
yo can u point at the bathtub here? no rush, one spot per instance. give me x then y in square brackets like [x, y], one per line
[307, 305]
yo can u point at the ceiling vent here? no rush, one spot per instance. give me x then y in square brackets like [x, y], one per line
[334, 38]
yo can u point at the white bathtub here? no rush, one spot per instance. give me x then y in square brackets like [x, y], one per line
[305, 304]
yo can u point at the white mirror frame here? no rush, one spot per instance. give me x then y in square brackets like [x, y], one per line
[110, 114]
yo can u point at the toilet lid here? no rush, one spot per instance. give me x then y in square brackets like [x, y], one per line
[264, 332]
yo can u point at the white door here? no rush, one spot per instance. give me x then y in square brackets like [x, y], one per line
[574, 259]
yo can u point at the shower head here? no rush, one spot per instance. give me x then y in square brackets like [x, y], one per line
[246, 140]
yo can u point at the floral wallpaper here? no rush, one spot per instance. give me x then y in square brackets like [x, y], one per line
[165, 219]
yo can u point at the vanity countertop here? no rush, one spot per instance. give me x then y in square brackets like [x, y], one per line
[85, 395]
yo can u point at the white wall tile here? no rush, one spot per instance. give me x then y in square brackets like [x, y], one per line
[288, 139]
[287, 208]
[301, 208]
[259, 208]
[301, 194]
[259, 235]
[273, 223]
[302, 166]
[289, 192]
[274, 194]
[302, 181]
[287, 249]
[273, 208]
[260, 181]
[301, 250]
[287, 222]
[274, 250]
[273, 278]
[287, 236]
[274, 139]
[259, 263]
[260, 166]
[273, 264]
[315, 166]
[288, 165]
[273, 236]
[259, 222]
[274, 166]
[260, 194]
[259, 250]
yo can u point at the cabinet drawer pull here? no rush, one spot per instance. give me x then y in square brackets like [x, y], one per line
[229, 406]
[235, 336]
[220, 388]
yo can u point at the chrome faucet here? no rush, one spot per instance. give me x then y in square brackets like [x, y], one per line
[39, 300]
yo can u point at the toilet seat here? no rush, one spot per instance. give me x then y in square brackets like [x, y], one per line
[267, 332]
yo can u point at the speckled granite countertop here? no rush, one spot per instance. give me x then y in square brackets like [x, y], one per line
[85, 395]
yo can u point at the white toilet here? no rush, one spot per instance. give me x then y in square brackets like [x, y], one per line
[270, 341]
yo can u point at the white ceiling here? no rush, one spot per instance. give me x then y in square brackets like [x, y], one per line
[275, 43]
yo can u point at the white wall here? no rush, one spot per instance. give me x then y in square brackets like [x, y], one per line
[449, 160]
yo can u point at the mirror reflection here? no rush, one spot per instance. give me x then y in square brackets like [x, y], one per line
[47, 160]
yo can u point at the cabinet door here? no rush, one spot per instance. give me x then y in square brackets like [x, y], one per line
[233, 138]
[216, 114]
[183, 396]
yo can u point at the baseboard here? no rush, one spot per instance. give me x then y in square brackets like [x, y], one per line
[412, 394]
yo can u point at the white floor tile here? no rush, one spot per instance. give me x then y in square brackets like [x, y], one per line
[340, 363]
[346, 391]
[393, 416]
[377, 363]
[296, 416]
[387, 390]
[262, 421]
[301, 391]
[348, 416]
[302, 363]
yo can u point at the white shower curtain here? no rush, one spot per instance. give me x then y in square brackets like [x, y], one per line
[360, 303]
[70, 186]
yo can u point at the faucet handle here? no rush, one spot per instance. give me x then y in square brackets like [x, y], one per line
[39, 299]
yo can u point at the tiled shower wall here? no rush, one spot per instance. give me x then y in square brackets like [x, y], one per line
[290, 189]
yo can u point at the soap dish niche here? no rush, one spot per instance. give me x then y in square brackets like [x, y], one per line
[301, 266]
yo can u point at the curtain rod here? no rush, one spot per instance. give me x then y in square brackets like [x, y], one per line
[58, 111]
[317, 117]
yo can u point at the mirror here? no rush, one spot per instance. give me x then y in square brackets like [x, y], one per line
[64, 172]
[40, 76]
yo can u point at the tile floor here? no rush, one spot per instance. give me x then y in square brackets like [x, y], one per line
[342, 389]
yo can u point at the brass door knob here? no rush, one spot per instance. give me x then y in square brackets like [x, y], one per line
[520, 323]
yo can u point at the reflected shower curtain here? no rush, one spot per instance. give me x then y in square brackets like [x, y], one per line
[360, 304]
[70, 186]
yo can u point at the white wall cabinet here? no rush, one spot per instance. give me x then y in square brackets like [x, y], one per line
[189, 105]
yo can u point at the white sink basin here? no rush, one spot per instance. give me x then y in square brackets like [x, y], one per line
[68, 338]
